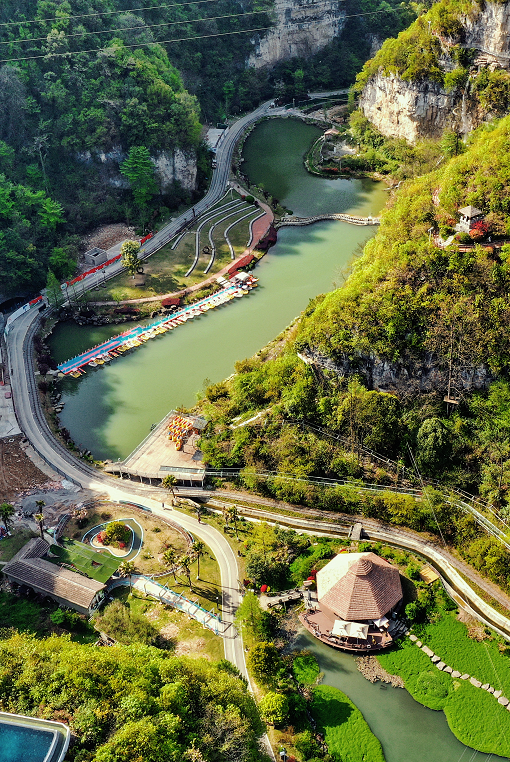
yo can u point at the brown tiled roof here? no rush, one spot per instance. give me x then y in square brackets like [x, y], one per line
[35, 548]
[28, 568]
[368, 590]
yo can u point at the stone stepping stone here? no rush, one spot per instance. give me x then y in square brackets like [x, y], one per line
[475, 682]
[413, 638]
[419, 643]
[485, 687]
[455, 673]
[497, 694]
[490, 689]
[503, 701]
[426, 650]
[448, 669]
[441, 665]
[465, 676]
[508, 706]
[435, 659]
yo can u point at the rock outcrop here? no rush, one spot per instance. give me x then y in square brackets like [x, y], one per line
[302, 28]
[404, 377]
[417, 109]
[407, 110]
[171, 166]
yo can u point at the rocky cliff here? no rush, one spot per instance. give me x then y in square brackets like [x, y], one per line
[302, 28]
[406, 103]
[171, 166]
[414, 110]
[407, 378]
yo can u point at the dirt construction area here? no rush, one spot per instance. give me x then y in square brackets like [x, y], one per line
[17, 472]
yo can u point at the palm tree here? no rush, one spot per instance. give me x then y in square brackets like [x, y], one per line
[127, 569]
[170, 559]
[39, 517]
[234, 517]
[185, 563]
[169, 482]
[6, 513]
[198, 551]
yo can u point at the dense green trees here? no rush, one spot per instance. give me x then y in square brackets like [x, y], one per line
[131, 702]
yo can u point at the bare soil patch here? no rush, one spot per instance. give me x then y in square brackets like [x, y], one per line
[475, 629]
[107, 236]
[192, 647]
[373, 672]
[17, 472]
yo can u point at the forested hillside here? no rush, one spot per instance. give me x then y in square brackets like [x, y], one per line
[412, 322]
[84, 83]
[131, 703]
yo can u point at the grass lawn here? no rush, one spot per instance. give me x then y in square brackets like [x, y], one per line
[206, 590]
[156, 534]
[346, 732]
[98, 565]
[165, 270]
[179, 633]
[27, 615]
[9, 546]
[461, 702]
[449, 639]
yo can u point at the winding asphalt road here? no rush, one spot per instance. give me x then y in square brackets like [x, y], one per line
[217, 188]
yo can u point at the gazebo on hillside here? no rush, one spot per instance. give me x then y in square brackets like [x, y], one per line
[469, 216]
[358, 595]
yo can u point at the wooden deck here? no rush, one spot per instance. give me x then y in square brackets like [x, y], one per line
[320, 623]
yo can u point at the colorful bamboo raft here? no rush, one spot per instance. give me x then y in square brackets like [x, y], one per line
[136, 336]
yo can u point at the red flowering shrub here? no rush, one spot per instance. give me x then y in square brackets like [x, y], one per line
[263, 588]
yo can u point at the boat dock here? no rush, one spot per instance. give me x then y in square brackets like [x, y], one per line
[169, 448]
[136, 336]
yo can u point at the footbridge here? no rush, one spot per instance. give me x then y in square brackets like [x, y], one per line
[351, 219]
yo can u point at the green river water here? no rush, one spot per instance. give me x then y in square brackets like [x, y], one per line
[112, 408]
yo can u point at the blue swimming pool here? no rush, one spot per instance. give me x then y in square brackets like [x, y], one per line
[21, 744]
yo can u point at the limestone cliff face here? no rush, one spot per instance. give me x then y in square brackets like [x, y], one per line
[302, 28]
[171, 166]
[415, 110]
[177, 166]
[405, 377]
[488, 30]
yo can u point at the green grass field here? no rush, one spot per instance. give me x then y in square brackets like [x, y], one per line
[461, 702]
[347, 734]
[449, 639]
[9, 546]
[98, 565]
